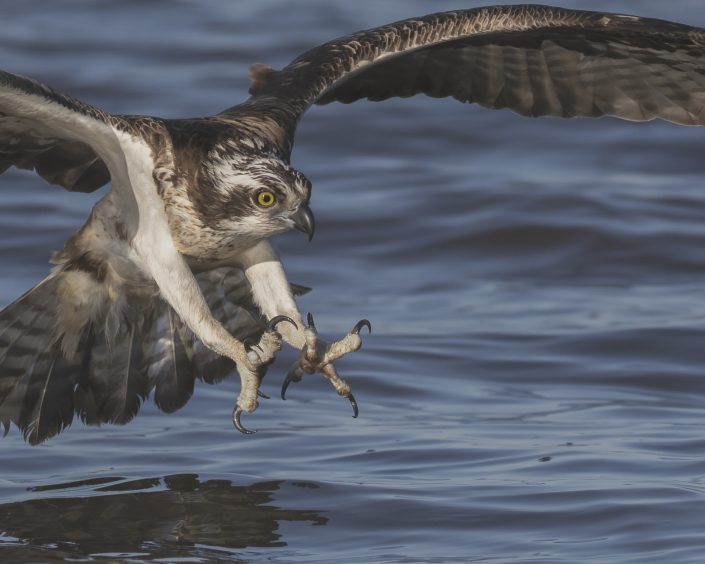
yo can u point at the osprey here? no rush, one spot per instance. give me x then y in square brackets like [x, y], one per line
[172, 277]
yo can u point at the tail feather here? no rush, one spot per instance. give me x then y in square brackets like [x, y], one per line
[47, 409]
[113, 384]
[36, 382]
[53, 365]
[171, 373]
[21, 327]
[134, 388]
[86, 394]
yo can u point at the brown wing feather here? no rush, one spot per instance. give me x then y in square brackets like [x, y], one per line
[113, 371]
[548, 72]
[536, 60]
[27, 142]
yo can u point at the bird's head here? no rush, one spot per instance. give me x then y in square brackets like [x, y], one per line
[260, 197]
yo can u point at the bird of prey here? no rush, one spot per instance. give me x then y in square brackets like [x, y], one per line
[172, 277]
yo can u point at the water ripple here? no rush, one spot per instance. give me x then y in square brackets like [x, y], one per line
[533, 390]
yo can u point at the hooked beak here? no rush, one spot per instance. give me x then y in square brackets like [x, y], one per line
[303, 220]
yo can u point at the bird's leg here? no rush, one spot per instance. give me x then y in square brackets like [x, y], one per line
[318, 356]
[259, 356]
[272, 293]
[179, 287]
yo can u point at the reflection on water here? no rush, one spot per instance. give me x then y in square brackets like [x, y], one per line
[126, 517]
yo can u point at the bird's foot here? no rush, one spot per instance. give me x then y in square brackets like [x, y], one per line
[253, 367]
[318, 356]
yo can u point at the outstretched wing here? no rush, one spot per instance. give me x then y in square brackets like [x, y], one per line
[535, 60]
[112, 373]
[56, 135]
[155, 352]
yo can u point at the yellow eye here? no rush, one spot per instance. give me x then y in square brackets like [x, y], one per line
[266, 199]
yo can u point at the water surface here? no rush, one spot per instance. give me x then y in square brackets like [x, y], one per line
[534, 389]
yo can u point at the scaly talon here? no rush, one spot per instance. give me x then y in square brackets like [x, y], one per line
[236, 421]
[253, 367]
[318, 357]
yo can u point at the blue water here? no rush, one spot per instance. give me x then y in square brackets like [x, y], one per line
[533, 391]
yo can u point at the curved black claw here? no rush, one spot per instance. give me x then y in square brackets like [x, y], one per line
[272, 324]
[285, 386]
[236, 421]
[359, 325]
[262, 395]
[249, 345]
[309, 320]
[351, 399]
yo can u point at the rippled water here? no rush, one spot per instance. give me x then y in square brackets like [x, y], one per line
[534, 389]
